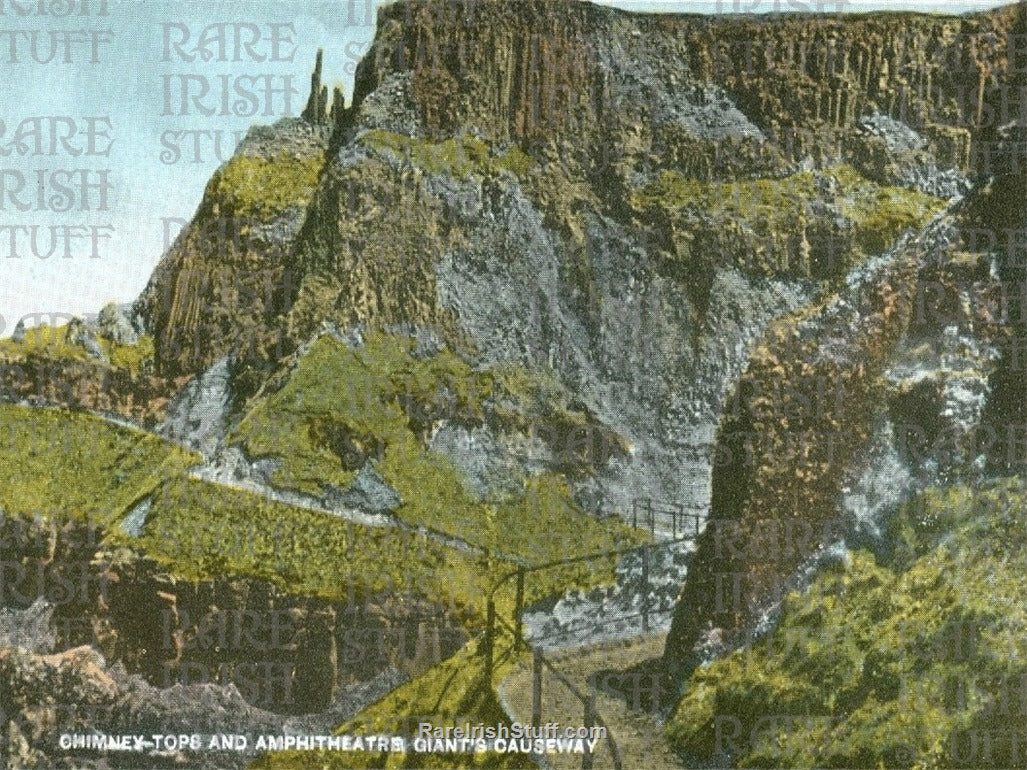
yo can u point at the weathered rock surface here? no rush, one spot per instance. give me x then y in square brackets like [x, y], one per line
[545, 262]
[198, 416]
[133, 649]
[368, 492]
[839, 417]
[229, 275]
[76, 691]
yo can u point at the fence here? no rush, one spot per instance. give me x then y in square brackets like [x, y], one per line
[590, 716]
[684, 526]
[650, 514]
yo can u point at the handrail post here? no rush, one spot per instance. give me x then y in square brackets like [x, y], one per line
[634, 513]
[490, 638]
[536, 688]
[589, 723]
[519, 611]
[652, 518]
[645, 590]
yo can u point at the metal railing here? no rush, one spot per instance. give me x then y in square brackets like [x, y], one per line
[591, 718]
[650, 514]
[683, 525]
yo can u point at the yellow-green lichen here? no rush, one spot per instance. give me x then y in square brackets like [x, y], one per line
[458, 156]
[773, 226]
[261, 188]
[894, 662]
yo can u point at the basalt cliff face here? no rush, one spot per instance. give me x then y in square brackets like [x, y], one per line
[628, 201]
[906, 378]
[762, 260]
[563, 186]
[598, 78]
[616, 97]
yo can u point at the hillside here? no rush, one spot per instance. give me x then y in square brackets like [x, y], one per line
[426, 360]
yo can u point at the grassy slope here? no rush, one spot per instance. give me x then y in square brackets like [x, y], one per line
[376, 393]
[204, 531]
[916, 660]
[334, 385]
[73, 464]
[381, 396]
[67, 464]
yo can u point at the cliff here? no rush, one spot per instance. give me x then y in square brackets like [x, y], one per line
[616, 98]
[924, 394]
[555, 184]
[739, 244]
[229, 274]
[553, 261]
[551, 72]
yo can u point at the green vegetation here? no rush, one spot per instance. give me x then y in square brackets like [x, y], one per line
[263, 188]
[450, 693]
[343, 407]
[540, 526]
[881, 213]
[458, 156]
[76, 465]
[51, 342]
[202, 531]
[339, 400]
[132, 358]
[914, 660]
[770, 226]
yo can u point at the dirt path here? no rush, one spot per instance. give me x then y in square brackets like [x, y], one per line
[624, 691]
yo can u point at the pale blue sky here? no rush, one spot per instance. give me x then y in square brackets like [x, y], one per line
[128, 86]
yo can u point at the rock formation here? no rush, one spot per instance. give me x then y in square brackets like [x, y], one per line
[747, 255]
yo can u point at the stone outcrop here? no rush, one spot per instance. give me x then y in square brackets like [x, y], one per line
[569, 83]
[78, 690]
[230, 275]
[842, 414]
[279, 652]
[40, 379]
[316, 110]
[924, 394]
